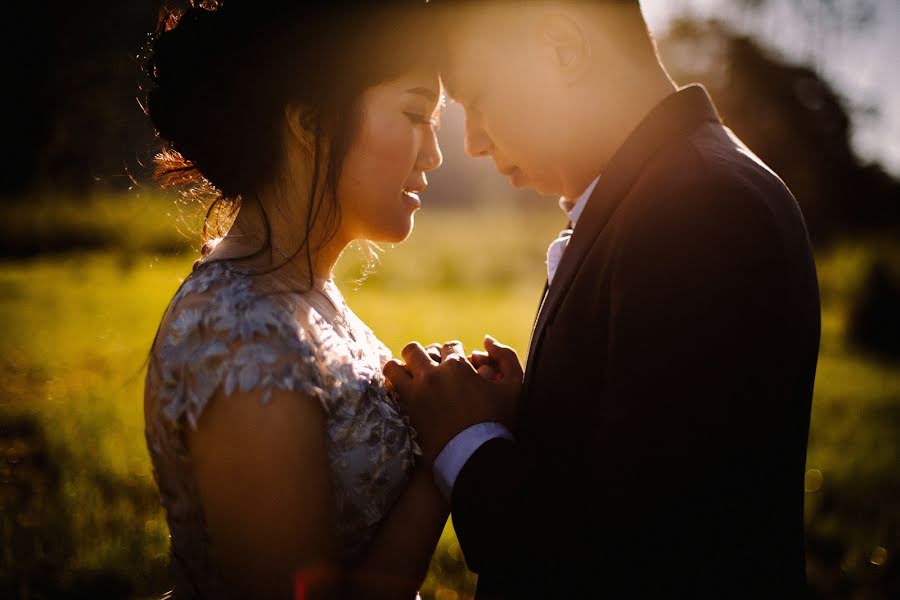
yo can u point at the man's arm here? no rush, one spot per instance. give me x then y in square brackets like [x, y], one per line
[460, 449]
[483, 506]
[463, 417]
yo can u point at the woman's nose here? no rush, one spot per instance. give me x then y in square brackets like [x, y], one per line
[430, 158]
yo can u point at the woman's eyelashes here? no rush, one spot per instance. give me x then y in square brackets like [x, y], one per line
[420, 119]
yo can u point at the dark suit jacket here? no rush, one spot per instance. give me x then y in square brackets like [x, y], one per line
[661, 442]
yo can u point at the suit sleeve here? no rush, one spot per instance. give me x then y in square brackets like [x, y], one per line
[483, 505]
[697, 325]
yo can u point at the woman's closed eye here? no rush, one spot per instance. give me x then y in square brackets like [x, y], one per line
[420, 119]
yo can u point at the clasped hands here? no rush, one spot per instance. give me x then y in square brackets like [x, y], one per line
[443, 391]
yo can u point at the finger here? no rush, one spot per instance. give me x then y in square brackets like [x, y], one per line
[397, 376]
[417, 360]
[488, 372]
[505, 357]
[434, 351]
[479, 357]
[453, 347]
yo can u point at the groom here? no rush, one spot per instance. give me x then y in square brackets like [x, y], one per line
[656, 445]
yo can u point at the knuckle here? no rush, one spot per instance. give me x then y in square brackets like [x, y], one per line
[453, 358]
[452, 348]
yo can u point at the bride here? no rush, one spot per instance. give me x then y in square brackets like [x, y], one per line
[282, 462]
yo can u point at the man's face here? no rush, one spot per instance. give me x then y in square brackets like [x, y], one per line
[512, 103]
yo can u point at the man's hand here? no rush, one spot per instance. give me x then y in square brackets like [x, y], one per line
[498, 363]
[444, 397]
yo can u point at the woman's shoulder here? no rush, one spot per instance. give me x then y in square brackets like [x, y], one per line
[220, 302]
[221, 331]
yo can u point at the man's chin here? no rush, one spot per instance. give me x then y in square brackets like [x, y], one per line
[519, 181]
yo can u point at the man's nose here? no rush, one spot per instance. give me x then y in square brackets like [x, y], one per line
[477, 141]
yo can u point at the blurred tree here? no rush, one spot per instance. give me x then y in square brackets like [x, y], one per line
[25, 101]
[72, 80]
[73, 122]
[875, 317]
[793, 120]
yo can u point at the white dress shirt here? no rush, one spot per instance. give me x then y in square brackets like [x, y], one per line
[458, 450]
[558, 246]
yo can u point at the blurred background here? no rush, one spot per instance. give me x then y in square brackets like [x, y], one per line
[91, 251]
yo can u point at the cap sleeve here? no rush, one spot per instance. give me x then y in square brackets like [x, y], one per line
[228, 337]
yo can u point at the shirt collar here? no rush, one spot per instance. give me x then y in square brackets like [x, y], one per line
[574, 209]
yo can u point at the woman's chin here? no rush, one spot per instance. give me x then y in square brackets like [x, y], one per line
[396, 233]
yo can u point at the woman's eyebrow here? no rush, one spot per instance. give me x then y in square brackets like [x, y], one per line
[425, 92]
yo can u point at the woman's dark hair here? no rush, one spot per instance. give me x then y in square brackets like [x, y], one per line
[222, 71]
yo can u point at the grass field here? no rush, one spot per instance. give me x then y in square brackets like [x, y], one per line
[79, 508]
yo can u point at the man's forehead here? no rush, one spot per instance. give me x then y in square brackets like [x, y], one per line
[480, 39]
[453, 84]
[465, 68]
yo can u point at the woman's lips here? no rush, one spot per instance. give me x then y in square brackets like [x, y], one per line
[412, 199]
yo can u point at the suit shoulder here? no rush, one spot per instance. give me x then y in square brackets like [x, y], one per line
[711, 180]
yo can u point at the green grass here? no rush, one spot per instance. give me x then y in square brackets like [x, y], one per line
[79, 508]
[141, 221]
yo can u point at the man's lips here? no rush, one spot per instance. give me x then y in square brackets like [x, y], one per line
[515, 176]
[513, 173]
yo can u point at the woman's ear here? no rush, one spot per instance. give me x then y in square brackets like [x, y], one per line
[298, 125]
[566, 39]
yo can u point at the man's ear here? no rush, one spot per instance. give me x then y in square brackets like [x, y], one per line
[560, 33]
[298, 125]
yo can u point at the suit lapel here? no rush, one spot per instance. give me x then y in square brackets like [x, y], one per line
[540, 305]
[596, 214]
[673, 118]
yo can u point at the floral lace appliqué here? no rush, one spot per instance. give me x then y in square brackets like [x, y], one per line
[233, 337]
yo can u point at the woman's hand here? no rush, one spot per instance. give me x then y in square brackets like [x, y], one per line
[442, 398]
[497, 363]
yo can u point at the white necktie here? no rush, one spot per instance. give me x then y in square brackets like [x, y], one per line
[555, 253]
[573, 211]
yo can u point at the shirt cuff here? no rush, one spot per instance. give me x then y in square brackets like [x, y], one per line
[457, 452]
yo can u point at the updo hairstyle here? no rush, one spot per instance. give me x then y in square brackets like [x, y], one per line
[221, 73]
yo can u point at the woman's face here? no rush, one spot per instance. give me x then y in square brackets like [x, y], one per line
[384, 170]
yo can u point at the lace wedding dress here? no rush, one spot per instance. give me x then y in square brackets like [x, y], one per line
[222, 332]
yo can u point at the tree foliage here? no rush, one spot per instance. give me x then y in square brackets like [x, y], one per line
[794, 120]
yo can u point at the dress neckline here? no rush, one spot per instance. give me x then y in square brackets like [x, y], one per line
[228, 265]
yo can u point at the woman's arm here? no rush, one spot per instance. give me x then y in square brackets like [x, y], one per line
[264, 479]
[396, 561]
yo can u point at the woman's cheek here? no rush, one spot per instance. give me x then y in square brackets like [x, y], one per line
[396, 150]
[376, 171]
